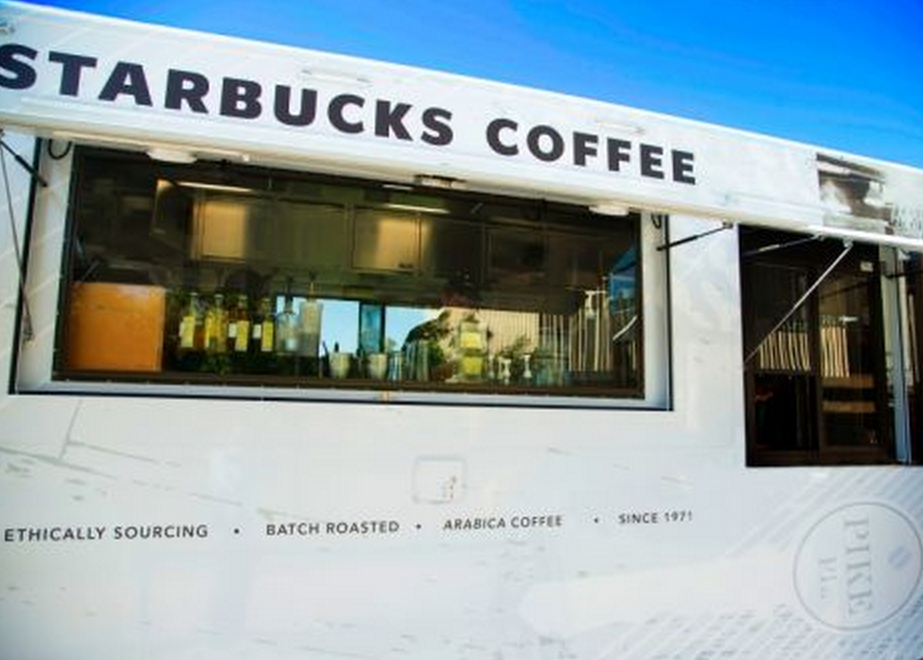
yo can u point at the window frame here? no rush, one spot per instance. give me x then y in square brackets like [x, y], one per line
[653, 391]
[911, 306]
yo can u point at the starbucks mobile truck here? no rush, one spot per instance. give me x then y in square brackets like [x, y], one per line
[310, 356]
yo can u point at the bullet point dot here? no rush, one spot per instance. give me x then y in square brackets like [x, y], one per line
[236, 530]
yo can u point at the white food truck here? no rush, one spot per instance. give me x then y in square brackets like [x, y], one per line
[309, 356]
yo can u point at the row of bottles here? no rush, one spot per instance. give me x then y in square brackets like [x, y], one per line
[228, 332]
[214, 326]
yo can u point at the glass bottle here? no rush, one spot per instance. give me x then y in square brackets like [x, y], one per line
[471, 341]
[216, 326]
[262, 336]
[287, 329]
[239, 326]
[191, 330]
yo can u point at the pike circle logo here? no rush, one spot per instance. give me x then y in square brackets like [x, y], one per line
[858, 566]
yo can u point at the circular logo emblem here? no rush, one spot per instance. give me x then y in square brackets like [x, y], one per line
[858, 566]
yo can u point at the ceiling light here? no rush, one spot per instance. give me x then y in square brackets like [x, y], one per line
[414, 207]
[218, 187]
[168, 155]
[436, 181]
[610, 208]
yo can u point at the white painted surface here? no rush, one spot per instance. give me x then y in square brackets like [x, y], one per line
[752, 567]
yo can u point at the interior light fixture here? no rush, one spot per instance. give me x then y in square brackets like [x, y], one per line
[413, 207]
[218, 187]
[436, 181]
[170, 155]
[610, 208]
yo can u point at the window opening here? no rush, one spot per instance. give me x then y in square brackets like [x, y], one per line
[816, 375]
[232, 275]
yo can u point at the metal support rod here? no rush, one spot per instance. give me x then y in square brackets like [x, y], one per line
[779, 246]
[666, 246]
[23, 162]
[847, 246]
[27, 329]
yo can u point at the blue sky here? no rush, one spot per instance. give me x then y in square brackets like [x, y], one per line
[841, 74]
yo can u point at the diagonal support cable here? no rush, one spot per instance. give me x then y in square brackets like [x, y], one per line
[847, 246]
[27, 328]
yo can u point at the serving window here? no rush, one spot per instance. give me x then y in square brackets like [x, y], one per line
[817, 380]
[212, 274]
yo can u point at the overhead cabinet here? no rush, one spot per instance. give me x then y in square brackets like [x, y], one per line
[385, 240]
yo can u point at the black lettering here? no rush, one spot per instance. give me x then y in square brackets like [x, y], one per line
[187, 86]
[388, 120]
[127, 78]
[651, 161]
[437, 120]
[22, 74]
[71, 66]
[584, 145]
[335, 113]
[240, 98]
[619, 152]
[493, 136]
[534, 140]
[283, 106]
[683, 167]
